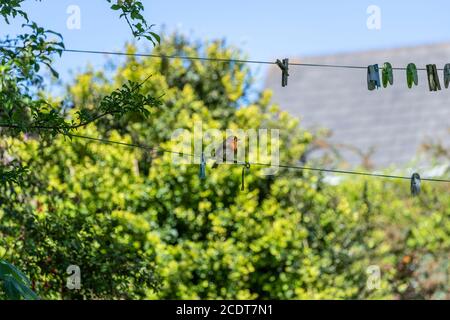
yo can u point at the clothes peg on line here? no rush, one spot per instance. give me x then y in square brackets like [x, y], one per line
[284, 66]
[387, 74]
[373, 77]
[447, 75]
[433, 78]
[411, 75]
[202, 172]
[415, 184]
[245, 166]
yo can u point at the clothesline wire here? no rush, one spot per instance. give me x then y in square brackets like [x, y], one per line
[162, 56]
[235, 61]
[377, 175]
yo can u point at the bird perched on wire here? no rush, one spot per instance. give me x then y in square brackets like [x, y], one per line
[226, 150]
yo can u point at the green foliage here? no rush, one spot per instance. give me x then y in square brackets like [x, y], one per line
[410, 236]
[11, 8]
[26, 109]
[46, 227]
[131, 11]
[26, 112]
[140, 226]
[124, 215]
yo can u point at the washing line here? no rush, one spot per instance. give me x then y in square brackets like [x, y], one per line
[163, 56]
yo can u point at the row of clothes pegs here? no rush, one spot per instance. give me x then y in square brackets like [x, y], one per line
[387, 76]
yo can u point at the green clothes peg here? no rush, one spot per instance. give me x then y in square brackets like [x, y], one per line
[373, 77]
[433, 78]
[387, 74]
[411, 75]
[284, 66]
[447, 75]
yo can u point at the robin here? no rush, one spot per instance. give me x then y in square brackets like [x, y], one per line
[226, 150]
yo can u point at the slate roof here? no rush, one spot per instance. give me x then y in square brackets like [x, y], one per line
[394, 121]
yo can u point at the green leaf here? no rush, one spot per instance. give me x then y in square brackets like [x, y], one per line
[16, 290]
[10, 289]
[15, 284]
[8, 269]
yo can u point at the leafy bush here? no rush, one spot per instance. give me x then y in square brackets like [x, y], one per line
[124, 215]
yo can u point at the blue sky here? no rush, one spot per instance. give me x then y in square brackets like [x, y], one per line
[265, 30]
